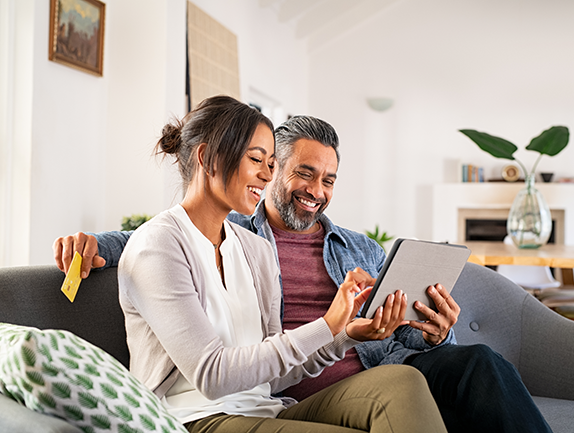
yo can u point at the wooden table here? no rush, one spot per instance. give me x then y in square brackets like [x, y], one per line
[498, 253]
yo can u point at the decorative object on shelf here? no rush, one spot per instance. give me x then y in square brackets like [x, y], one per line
[77, 34]
[529, 223]
[380, 238]
[510, 173]
[546, 177]
[132, 222]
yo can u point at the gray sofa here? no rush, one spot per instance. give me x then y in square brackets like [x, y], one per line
[495, 311]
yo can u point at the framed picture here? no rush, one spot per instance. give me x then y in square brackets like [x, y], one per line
[77, 34]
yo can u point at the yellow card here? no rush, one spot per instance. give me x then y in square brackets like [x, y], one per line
[73, 279]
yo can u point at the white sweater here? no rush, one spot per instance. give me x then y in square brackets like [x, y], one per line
[162, 293]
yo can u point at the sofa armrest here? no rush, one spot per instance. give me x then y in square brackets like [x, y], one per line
[547, 351]
[502, 315]
[16, 418]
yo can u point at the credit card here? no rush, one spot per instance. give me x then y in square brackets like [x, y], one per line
[73, 279]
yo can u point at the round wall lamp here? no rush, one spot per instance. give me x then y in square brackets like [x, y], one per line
[380, 104]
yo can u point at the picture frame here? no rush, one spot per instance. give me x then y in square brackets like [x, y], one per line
[77, 34]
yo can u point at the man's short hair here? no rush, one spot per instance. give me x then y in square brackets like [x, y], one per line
[299, 127]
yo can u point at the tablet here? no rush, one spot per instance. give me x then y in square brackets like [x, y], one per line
[412, 266]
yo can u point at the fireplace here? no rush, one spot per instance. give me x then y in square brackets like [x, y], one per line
[455, 203]
[483, 224]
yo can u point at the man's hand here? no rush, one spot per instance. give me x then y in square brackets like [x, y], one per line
[387, 318]
[86, 245]
[436, 328]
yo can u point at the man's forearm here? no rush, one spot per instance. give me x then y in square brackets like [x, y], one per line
[111, 246]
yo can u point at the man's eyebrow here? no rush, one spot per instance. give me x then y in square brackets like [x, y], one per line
[314, 170]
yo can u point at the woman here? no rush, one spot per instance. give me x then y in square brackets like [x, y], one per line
[202, 303]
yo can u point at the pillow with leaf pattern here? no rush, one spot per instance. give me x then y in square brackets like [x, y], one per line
[57, 373]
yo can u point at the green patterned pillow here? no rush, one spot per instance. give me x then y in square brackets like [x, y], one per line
[59, 374]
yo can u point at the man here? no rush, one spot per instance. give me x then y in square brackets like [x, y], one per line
[475, 388]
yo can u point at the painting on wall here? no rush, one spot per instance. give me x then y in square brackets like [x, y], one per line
[77, 34]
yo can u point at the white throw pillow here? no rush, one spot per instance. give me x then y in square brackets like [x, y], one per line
[57, 373]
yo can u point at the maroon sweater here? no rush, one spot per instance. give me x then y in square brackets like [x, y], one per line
[308, 291]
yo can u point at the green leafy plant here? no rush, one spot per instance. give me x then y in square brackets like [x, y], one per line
[132, 222]
[380, 238]
[550, 142]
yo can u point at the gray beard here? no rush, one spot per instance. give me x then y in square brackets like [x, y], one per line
[288, 211]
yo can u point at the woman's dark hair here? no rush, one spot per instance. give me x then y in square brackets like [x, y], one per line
[224, 124]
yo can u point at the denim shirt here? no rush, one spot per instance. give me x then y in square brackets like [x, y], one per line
[344, 250]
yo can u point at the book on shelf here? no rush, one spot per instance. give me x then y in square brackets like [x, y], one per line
[472, 173]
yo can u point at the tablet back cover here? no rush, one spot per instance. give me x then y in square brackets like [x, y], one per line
[414, 267]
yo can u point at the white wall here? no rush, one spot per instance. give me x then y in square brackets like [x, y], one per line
[271, 60]
[16, 78]
[68, 118]
[503, 67]
[146, 87]
[90, 153]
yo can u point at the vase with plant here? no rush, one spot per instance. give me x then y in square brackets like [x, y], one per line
[529, 223]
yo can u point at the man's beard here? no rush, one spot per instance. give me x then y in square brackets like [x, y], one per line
[294, 218]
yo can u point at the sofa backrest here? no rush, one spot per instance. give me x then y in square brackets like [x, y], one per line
[494, 311]
[491, 307]
[31, 296]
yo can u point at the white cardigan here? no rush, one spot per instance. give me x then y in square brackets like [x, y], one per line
[162, 294]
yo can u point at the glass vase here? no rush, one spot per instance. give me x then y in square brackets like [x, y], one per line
[529, 222]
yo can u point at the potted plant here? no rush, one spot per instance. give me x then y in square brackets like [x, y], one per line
[529, 223]
[132, 222]
[380, 238]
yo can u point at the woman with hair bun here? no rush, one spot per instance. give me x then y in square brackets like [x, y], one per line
[202, 302]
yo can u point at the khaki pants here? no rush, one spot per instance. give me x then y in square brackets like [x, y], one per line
[386, 399]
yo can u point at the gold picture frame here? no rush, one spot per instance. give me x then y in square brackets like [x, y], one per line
[77, 34]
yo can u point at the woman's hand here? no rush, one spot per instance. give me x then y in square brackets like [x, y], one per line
[387, 318]
[347, 303]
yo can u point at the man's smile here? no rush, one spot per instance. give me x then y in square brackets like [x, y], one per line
[308, 204]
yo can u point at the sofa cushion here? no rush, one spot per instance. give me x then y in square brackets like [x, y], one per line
[57, 373]
[557, 412]
[15, 418]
